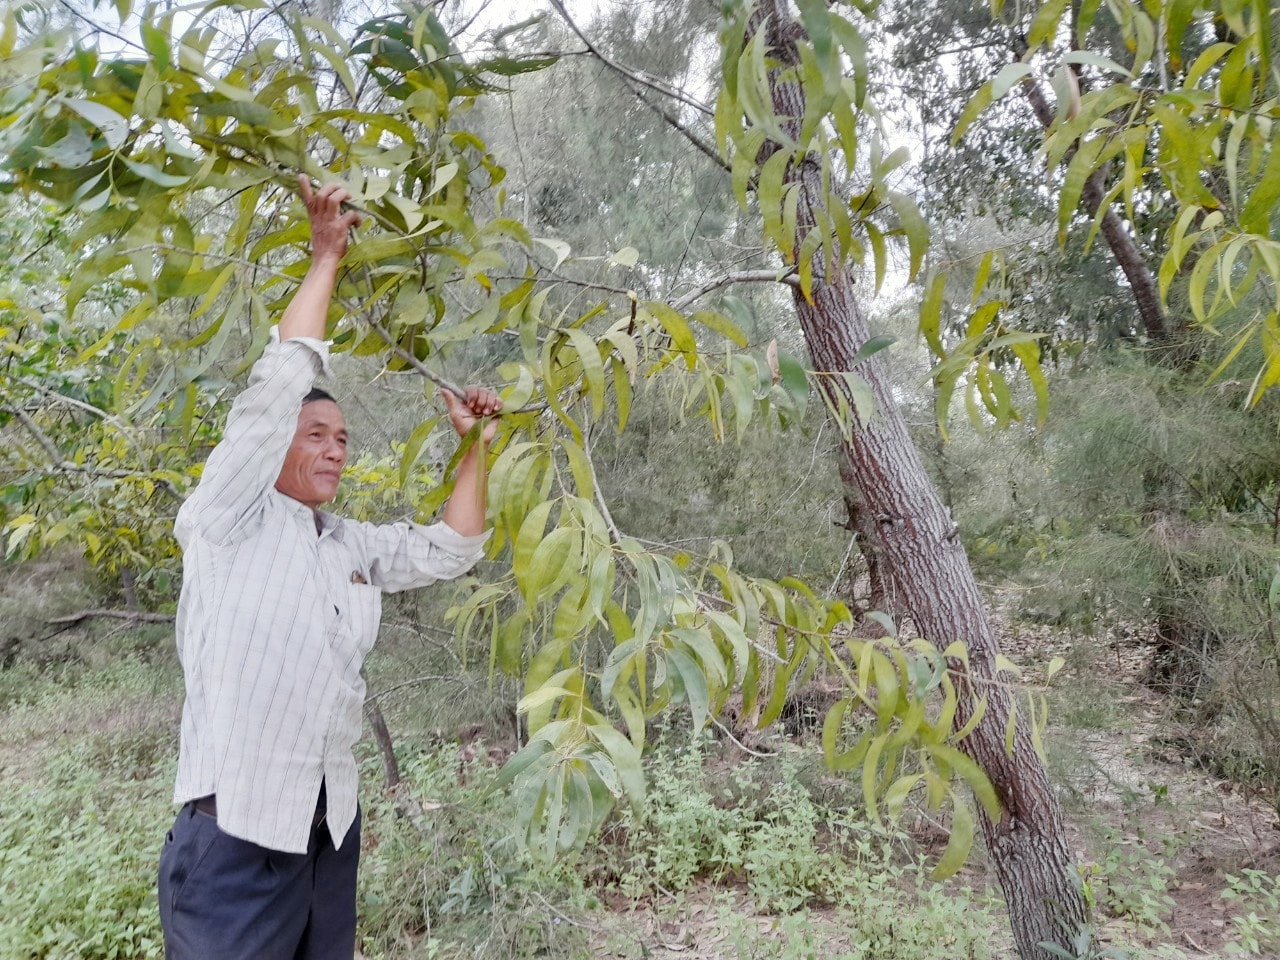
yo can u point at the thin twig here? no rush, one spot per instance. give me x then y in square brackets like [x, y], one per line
[440, 678]
[137, 615]
[115, 421]
[741, 746]
[681, 128]
[595, 487]
[652, 83]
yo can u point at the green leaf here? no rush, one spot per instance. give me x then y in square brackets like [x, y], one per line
[872, 346]
[1009, 76]
[1093, 59]
[972, 774]
[913, 225]
[626, 760]
[156, 176]
[113, 127]
[514, 66]
[580, 466]
[871, 776]
[704, 648]
[959, 843]
[1029, 355]
[931, 315]
[413, 447]
[526, 543]
[859, 391]
[1256, 215]
[695, 686]
[592, 367]
[1056, 664]
[972, 110]
[722, 325]
[558, 247]
[541, 697]
[626, 257]
[795, 381]
[523, 760]
[831, 727]
[1046, 23]
[676, 327]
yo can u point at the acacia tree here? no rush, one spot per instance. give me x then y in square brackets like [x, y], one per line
[789, 75]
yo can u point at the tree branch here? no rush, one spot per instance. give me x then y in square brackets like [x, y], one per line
[680, 127]
[59, 463]
[786, 276]
[89, 408]
[659, 86]
[138, 615]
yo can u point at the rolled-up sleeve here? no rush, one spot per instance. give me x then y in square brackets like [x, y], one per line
[263, 420]
[403, 556]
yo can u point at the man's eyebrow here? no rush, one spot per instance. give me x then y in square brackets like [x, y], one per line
[320, 422]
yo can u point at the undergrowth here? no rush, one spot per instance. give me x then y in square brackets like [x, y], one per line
[775, 857]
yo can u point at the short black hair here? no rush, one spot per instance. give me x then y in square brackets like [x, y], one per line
[317, 394]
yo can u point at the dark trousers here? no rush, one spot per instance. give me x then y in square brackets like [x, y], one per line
[222, 898]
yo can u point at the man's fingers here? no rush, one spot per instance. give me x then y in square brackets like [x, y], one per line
[304, 188]
[482, 401]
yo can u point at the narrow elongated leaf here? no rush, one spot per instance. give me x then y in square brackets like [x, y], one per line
[695, 686]
[681, 336]
[959, 840]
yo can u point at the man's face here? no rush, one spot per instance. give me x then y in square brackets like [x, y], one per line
[314, 463]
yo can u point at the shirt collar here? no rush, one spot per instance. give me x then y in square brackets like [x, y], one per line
[330, 524]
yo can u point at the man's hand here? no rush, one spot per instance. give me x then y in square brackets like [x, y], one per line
[305, 315]
[479, 402]
[329, 222]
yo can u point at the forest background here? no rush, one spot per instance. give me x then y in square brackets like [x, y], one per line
[1037, 238]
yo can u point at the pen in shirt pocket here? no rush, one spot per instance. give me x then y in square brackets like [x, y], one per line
[358, 577]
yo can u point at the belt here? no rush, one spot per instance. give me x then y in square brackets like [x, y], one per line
[209, 807]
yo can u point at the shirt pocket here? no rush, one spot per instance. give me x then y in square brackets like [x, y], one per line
[364, 603]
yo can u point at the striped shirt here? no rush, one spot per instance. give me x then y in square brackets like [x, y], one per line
[275, 618]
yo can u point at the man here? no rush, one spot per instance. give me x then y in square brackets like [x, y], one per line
[280, 603]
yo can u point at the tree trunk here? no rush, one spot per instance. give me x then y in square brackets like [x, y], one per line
[861, 523]
[921, 549]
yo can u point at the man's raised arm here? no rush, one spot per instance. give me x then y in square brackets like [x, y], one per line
[263, 419]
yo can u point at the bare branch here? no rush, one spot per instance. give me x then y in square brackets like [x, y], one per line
[135, 615]
[652, 83]
[89, 408]
[787, 276]
[595, 486]
[683, 129]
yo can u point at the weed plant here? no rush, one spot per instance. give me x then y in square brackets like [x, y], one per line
[1257, 924]
[455, 883]
[87, 761]
[761, 826]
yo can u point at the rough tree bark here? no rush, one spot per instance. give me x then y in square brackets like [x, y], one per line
[923, 554]
[861, 523]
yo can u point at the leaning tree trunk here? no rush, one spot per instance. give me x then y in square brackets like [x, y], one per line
[861, 524]
[921, 549]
